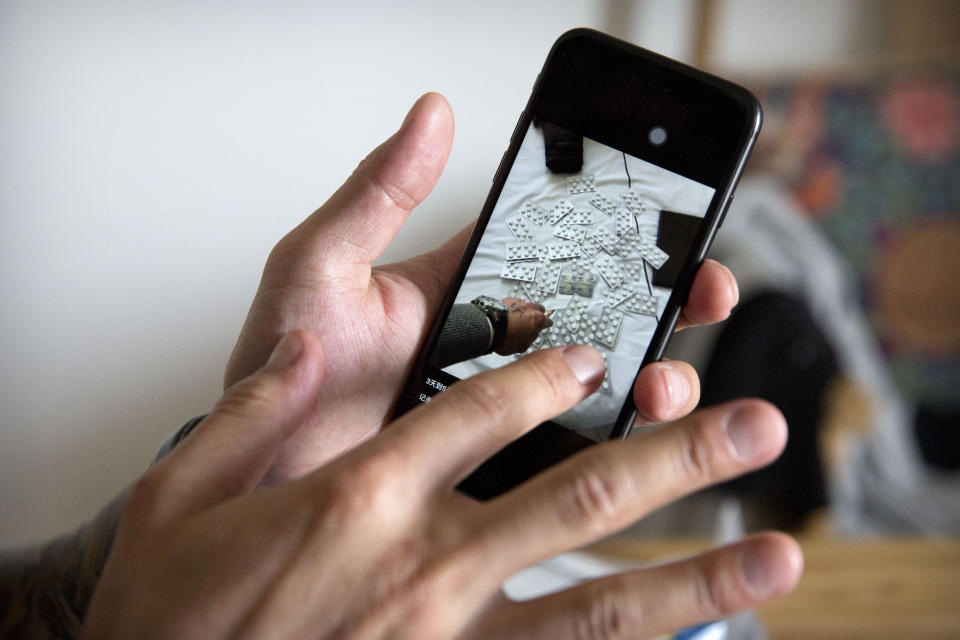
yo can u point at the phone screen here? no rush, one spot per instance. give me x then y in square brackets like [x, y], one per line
[614, 183]
[592, 247]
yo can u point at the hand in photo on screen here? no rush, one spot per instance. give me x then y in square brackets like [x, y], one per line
[525, 321]
[371, 320]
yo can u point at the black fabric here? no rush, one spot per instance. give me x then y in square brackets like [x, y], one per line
[465, 335]
[772, 349]
[675, 235]
[938, 434]
[563, 150]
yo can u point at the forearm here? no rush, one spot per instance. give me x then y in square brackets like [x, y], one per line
[45, 590]
[466, 334]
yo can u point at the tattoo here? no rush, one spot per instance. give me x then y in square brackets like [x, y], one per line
[45, 591]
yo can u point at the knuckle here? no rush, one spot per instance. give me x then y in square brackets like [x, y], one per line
[606, 618]
[551, 376]
[484, 398]
[708, 598]
[147, 497]
[592, 497]
[364, 489]
[694, 455]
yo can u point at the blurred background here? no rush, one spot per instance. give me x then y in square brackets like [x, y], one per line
[152, 153]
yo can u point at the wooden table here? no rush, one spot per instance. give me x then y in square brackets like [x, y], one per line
[903, 588]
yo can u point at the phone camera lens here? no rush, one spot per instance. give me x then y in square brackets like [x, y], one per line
[657, 136]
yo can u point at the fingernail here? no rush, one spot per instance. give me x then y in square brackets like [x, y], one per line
[286, 352]
[585, 362]
[734, 290]
[760, 564]
[677, 386]
[745, 429]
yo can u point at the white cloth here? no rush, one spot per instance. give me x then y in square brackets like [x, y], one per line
[529, 178]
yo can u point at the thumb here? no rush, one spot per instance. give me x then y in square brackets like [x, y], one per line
[358, 222]
[230, 452]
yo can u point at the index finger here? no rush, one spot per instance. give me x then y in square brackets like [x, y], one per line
[475, 418]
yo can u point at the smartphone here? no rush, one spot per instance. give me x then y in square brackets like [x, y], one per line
[617, 176]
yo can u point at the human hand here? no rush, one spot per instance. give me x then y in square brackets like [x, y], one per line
[377, 544]
[525, 321]
[372, 320]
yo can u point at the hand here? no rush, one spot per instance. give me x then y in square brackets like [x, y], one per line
[373, 320]
[525, 321]
[376, 544]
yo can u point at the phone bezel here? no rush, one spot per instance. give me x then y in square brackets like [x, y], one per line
[588, 62]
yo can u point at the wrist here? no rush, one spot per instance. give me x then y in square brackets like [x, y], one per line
[497, 314]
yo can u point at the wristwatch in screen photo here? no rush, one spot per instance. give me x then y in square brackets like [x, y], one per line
[497, 313]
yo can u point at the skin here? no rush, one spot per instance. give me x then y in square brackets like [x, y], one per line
[291, 511]
[377, 544]
[525, 321]
[371, 320]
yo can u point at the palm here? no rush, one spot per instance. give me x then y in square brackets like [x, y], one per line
[370, 322]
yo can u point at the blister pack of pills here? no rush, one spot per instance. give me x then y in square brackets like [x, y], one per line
[520, 227]
[570, 232]
[608, 328]
[517, 251]
[581, 184]
[643, 304]
[579, 216]
[561, 249]
[603, 203]
[534, 212]
[526, 271]
[546, 280]
[562, 208]
[577, 284]
[626, 223]
[634, 202]
[616, 295]
[609, 270]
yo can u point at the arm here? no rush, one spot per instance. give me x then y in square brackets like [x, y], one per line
[45, 590]
[466, 334]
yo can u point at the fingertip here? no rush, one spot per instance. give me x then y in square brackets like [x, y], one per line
[713, 296]
[585, 362]
[666, 390]
[771, 565]
[756, 431]
[300, 353]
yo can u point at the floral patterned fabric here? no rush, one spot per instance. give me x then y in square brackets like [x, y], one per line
[876, 163]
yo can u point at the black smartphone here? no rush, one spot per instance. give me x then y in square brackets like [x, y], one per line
[617, 176]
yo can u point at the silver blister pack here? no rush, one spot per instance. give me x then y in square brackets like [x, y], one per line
[526, 271]
[516, 251]
[534, 212]
[603, 203]
[616, 295]
[642, 304]
[609, 270]
[570, 232]
[579, 216]
[561, 249]
[608, 328]
[520, 227]
[581, 284]
[626, 223]
[636, 203]
[581, 184]
[562, 208]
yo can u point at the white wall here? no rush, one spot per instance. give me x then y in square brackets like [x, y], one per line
[150, 155]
